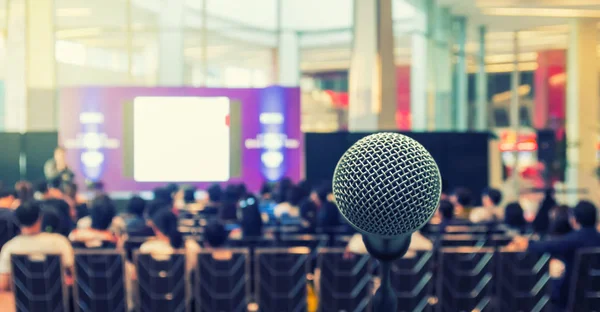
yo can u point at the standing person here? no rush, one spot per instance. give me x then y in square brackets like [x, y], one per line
[57, 167]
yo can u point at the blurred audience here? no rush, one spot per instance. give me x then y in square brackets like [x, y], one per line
[541, 223]
[52, 196]
[24, 191]
[290, 206]
[250, 219]
[565, 247]
[462, 199]
[7, 212]
[514, 219]
[560, 221]
[490, 211]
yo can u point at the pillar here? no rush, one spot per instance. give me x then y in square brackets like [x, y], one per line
[422, 70]
[287, 64]
[30, 101]
[482, 108]
[171, 60]
[372, 83]
[461, 105]
[443, 64]
[582, 110]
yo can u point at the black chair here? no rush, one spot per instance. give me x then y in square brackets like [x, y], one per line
[585, 282]
[412, 279]
[252, 243]
[222, 284]
[162, 282]
[99, 281]
[345, 284]
[306, 240]
[38, 282]
[8, 230]
[281, 279]
[523, 281]
[465, 279]
[132, 244]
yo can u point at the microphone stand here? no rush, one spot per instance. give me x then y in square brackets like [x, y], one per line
[386, 251]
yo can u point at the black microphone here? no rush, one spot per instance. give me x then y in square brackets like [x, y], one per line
[387, 186]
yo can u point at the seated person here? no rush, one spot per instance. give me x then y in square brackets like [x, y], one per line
[98, 234]
[52, 197]
[514, 219]
[560, 223]
[133, 220]
[289, 207]
[168, 239]
[215, 235]
[32, 240]
[462, 199]
[214, 203]
[565, 247]
[7, 200]
[490, 211]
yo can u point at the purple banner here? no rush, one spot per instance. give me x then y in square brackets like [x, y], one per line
[93, 121]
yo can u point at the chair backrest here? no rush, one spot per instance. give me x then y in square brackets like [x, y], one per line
[99, 281]
[585, 281]
[94, 245]
[522, 281]
[132, 244]
[38, 282]
[465, 279]
[305, 240]
[222, 283]
[459, 240]
[344, 283]
[412, 279]
[163, 283]
[8, 230]
[281, 279]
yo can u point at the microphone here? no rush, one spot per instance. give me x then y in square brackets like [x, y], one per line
[387, 186]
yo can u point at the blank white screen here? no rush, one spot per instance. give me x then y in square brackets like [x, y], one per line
[181, 139]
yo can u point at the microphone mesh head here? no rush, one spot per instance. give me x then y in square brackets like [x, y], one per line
[387, 184]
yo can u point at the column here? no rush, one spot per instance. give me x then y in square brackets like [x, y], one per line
[482, 122]
[372, 83]
[422, 68]
[443, 77]
[287, 64]
[582, 110]
[171, 60]
[30, 100]
[461, 106]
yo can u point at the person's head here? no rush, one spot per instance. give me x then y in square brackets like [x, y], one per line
[172, 188]
[514, 216]
[215, 235]
[215, 193]
[462, 197]
[55, 183]
[189, 195]
[51, 221]
[305, 188]
[321, 194]
[491, 197]
[29, 215]
[266, 191]
[241, 190]
[59, 155]
[70, 190]
[560, 222]
[102, 212]
[42, 187]
[7, 198]
[136, 206]
[164, 223]
[281, 189]
[294, 196]
[231, 193]
[585, 214]
[446, 210]
[24, 191]
[163, 195]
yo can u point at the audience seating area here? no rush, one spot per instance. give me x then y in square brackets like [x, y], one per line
[451, 279]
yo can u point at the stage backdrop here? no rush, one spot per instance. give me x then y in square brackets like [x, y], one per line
[98, 127]
[461, 157]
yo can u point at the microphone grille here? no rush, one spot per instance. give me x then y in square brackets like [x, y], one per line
[387, 184]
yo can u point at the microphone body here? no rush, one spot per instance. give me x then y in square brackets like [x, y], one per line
[386, 186]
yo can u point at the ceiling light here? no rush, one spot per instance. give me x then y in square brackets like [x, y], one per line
[541, 12]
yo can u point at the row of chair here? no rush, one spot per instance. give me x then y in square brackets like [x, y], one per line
[466, 279]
